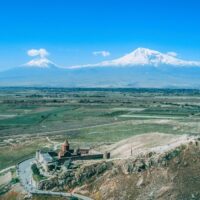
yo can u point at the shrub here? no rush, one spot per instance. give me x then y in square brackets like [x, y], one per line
[35, 169]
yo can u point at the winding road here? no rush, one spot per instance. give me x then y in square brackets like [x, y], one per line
[25, 176]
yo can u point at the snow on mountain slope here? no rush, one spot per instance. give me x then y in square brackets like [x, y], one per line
[40, 59]
[39, 62]
[143, 68]
[143, 56]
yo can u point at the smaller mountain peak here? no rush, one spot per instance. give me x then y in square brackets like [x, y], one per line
[40, 59]
[40, 63]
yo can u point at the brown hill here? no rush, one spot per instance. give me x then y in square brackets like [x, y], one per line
[170, 171]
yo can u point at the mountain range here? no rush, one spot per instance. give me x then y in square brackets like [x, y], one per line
[142, 68]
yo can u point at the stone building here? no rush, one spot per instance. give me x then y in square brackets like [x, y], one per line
[45, 160]
[65, 150]
[51, 160]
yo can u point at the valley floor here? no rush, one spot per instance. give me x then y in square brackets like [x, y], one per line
[123, 121]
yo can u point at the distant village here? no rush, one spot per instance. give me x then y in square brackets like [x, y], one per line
[54, 160]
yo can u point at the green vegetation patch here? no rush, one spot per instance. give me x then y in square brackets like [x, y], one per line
[89, 116]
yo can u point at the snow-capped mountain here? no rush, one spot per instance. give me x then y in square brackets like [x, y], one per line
[40, 63]
[142, 68]
[40, 59]
[144, 56]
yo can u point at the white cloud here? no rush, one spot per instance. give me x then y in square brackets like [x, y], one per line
[171, 53]
[38, 52]
[101, 53]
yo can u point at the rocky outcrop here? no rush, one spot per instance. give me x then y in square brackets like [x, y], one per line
[150, 175]
[171, 175]
[72, 178]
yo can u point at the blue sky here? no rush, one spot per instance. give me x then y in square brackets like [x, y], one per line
[72, 29]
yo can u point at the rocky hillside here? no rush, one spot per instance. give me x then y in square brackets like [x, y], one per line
[172, 173]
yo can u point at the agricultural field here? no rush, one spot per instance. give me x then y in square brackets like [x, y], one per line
[36, 118]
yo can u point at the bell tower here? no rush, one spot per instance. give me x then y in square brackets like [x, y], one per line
[65, 146]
